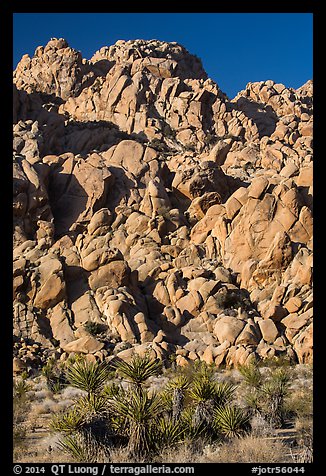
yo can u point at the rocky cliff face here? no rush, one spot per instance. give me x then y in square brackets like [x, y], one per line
[146, 202]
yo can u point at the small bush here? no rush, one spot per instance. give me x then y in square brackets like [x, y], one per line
[83, 448]
[21, 408]
[231, 421]
[94, 328]
[53, 371]
[228, 299]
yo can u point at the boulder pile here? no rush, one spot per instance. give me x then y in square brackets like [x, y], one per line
[154, 214]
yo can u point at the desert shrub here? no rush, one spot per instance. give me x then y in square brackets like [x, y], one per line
[21, 387]
[108, 413]
[83, 448]
[266, 394]
[94, 328]
[251, 374]
[139, 412]
[304, 429]
[67, 422]
[169, 432]
[275, 390]
[53, 371]
[299, 403]
[229, 299]
[276, 361]
[231, 420]
[174, 395]
[21, 408]
[194, 427]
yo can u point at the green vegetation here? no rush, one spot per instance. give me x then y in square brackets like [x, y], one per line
[229, 299]
[94, 328]
[266, 394]
[21, 407]
[192, 406]
[54, 374]
[137, 411]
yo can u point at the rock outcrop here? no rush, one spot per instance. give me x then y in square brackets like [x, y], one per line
[153, 214]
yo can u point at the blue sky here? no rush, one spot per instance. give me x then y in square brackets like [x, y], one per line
[235, 48]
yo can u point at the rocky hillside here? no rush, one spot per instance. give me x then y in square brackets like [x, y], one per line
[152, 213]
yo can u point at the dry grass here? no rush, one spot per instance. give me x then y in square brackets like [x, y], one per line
[251, 449]
[260, 427]
[70, 393]
[248, 449]
[46, 407]
[42, 394]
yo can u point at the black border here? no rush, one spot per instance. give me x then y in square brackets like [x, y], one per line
[7, 8]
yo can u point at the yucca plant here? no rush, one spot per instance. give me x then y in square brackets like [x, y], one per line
[92, 404]
[201, 370]
[169, 432]
[224, 392]
[138, 370]
[231, 421]
[54, 374]
[274, 392]
[88, 376]
[202, 389]
[20, 388]
[193, 430]
[113, 390]
[83, 448]
[203, 393]
[253, 402]
[140, 411]
[251, 374]
[177, 388]
[68, 422]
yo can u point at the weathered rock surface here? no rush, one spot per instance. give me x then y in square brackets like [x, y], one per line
[148, 203]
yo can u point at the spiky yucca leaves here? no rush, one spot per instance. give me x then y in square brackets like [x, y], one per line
[88, 376]
[201, 370]
[20, 389]
[83, 448]
[139, 369]
[203, 393]
[267, 395]
[274, 392]
[231, 420]
[90, 417]
[168, 432]
[140, 410]
[253, 402]
[54, 374]
[202, 389]
[92, 404]
[192, 430]
[224, 393]
[178, 386]
[218, 393]
[251, 374]
[208, 394]
[89, 413]
[68, 422]
[113, 390]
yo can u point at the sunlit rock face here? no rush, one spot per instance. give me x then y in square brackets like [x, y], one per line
[147, 202]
